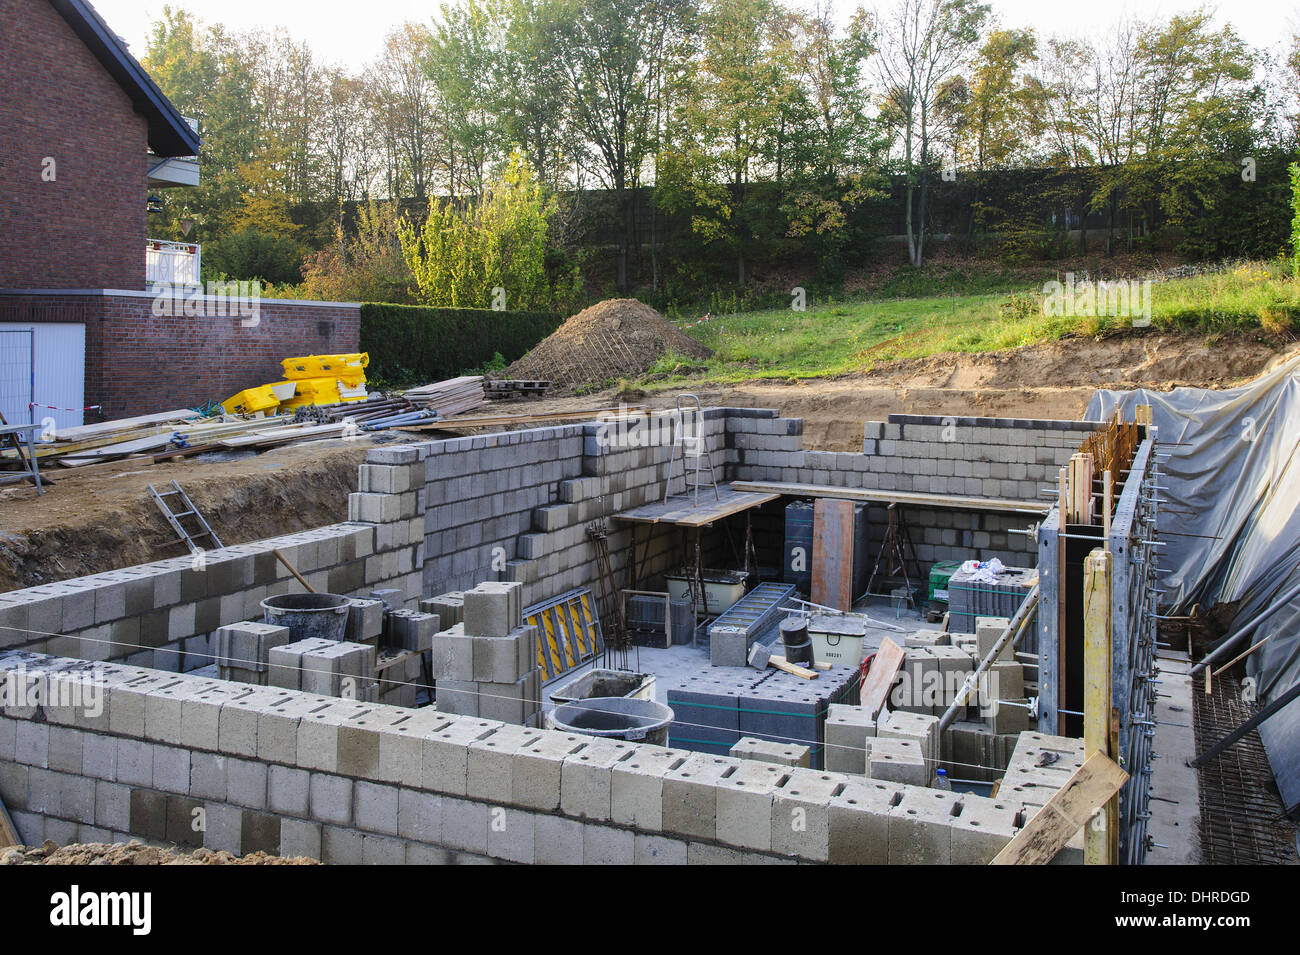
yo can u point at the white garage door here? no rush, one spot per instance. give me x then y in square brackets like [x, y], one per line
[43, 365]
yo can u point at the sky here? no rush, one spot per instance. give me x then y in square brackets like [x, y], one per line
[339, 34]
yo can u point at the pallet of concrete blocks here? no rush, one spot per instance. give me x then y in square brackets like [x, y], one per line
[327, 668]
[486, 665]
[449, 608]
[970, 597]
[242, 650]
[411, 630]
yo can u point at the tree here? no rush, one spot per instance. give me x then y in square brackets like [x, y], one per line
[997, 117]
[728, 101]
[924, 43]
[613, 67]
[467, 250]
[831, 149]
[404, 103]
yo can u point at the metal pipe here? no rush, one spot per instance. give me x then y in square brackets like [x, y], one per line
[1246, 628]
[1015, 628]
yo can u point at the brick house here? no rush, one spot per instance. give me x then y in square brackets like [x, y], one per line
[85, 135]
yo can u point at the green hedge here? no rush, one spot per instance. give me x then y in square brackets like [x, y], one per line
[415, 344]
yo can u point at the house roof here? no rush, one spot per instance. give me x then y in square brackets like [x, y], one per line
[169, 133]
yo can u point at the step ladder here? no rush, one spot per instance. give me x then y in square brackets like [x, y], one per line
[188, 510]
[693, 449]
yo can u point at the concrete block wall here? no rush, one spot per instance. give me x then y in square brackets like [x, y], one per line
[344, 781]
[974, 457]
[164, 614]
[515, 506]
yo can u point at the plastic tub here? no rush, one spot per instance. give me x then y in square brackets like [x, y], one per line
[600, 684]
[309, 615]
[616, 717]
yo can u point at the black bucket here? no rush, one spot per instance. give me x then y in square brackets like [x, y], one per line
[800, 654]
[794, 631]
[309, 615]
[616, 717]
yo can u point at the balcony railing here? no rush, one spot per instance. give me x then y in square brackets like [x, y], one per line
[176, 263]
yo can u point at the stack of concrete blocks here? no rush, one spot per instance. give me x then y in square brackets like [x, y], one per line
[926, 638]
[365, 621]
[243, 649]
[486, 666]
[921, 729]
[326, 668]
[1002, 687]
[973, 751]
[848, 730]
[1039, 766]
[409, 630]
[714, 709]
[931, 677]
[766, 751]
[896, 759]
[448, 607]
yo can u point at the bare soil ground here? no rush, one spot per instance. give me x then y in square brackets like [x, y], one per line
[1053, 380]
[133, 853]
[95, 521]
[103, 520]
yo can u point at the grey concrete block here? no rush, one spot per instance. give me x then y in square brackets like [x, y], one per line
[586, 782]
[690, 795]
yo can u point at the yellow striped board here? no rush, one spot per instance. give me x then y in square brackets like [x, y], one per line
[568, 631]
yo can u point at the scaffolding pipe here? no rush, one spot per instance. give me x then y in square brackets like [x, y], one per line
[1246, 629]
[1013, 632]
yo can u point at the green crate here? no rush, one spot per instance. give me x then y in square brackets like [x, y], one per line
[940, 574]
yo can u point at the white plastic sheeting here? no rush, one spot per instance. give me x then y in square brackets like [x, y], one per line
[1231, 524]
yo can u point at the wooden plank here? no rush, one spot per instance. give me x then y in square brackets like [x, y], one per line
[1101, 835]
[832, 556]
[682, 512]
[880, 678]
[1065, 813]
[949, 501]
[101, 428]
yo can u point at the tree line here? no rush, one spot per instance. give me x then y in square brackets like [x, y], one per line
[730, 131]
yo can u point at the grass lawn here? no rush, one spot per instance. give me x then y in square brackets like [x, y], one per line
[853, 336]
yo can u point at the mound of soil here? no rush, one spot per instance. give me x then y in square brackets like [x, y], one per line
[133, 853]
[616, 338]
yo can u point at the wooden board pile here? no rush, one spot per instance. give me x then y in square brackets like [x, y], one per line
[449, 397]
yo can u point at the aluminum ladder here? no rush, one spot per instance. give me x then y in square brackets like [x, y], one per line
[694, 452]
[174, 518]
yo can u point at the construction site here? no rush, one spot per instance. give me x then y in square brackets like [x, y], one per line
[672, 634]
[645, 433]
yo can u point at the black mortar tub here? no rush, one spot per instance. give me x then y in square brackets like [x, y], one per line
[308, 615]
[616, 717]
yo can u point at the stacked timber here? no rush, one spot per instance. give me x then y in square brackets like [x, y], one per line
[449, 397]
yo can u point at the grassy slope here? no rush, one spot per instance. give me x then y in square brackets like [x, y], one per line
[849, 337]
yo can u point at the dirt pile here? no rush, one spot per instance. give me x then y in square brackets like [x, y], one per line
[133, 853]
[616, 338]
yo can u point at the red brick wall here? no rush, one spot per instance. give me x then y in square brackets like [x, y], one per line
[87, 228]
[138, 362]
